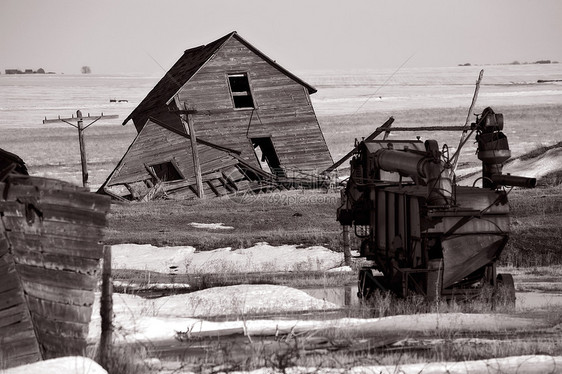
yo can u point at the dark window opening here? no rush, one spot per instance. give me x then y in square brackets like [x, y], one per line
[240, 90]
[266, 155]
[166, 171]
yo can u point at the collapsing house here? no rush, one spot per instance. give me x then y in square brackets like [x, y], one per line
[225, 118]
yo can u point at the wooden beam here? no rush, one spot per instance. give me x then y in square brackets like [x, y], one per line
[83, 159]
[189, 129]
[204, 112]
[106, 308]
[59, 119]
[424, 128]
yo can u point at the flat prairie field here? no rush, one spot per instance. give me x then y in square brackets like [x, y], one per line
[349, 105]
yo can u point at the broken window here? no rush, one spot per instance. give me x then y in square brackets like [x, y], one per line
[166, 171]
[240, 90]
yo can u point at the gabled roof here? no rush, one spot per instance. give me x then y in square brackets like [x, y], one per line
[185, 68]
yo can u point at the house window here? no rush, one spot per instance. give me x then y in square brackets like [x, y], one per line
[166, 171]
[240, 90]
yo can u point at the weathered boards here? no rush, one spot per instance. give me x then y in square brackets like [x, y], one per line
[50, 248]
[241, 100]
[159, 163]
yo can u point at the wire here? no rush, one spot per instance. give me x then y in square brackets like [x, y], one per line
[384, 84]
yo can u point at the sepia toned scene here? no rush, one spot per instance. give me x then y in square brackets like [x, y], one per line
[280, 187]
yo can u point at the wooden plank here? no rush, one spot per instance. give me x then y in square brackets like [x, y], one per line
[40, 182]
[8, 282]
[55, 261]
[48, 192]
[65, 230]
[4, 245]
[71, 246]
[54, 346]
[93, 118]
[210, 176]
[212, 187]
[56, 278]
[11, 297]
[62, 329]
[59, 294]
[58, 311]
[61, 213]
[18, 345]
[17, 332]
[9, 313]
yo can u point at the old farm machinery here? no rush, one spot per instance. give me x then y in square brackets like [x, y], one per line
[424, 233]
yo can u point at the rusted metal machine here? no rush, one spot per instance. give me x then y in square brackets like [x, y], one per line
[424, 233]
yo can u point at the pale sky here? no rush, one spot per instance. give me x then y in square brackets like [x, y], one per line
[140, 36]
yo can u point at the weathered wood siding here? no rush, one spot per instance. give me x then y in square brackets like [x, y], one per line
[156, 144]
[162, 113]
[50, 248]
[282, 109]
[18, 344]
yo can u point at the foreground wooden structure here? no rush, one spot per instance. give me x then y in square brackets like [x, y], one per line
[50, 249]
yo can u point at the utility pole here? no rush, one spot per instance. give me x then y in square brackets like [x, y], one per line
[80, 126]
[187, 121]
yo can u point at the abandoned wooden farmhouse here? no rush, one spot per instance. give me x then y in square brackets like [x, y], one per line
[225, 118]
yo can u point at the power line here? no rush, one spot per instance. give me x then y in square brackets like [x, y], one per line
[384, 84]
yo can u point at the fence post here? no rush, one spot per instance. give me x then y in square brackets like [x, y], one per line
[346, 246]
[106, 308]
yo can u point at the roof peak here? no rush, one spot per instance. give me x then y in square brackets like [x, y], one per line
[194, 49]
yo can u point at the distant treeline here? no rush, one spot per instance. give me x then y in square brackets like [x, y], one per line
[27, 71]
[519, 63]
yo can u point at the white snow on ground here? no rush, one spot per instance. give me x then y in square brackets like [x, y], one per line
[151, 319]
[149, 257]
[63, 365]
[211, 226]
[536, 167]
[138, 319]
[260, 257]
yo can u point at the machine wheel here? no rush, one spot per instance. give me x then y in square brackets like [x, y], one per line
[505, 290]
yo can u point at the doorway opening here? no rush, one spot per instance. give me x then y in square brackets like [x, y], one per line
[266, 155]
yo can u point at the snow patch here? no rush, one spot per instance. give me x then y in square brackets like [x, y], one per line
[139, 319]
[211, 226]
[260, 257]
[66, 365]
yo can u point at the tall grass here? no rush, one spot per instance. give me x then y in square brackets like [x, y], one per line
[300, 217]
[535, 228]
